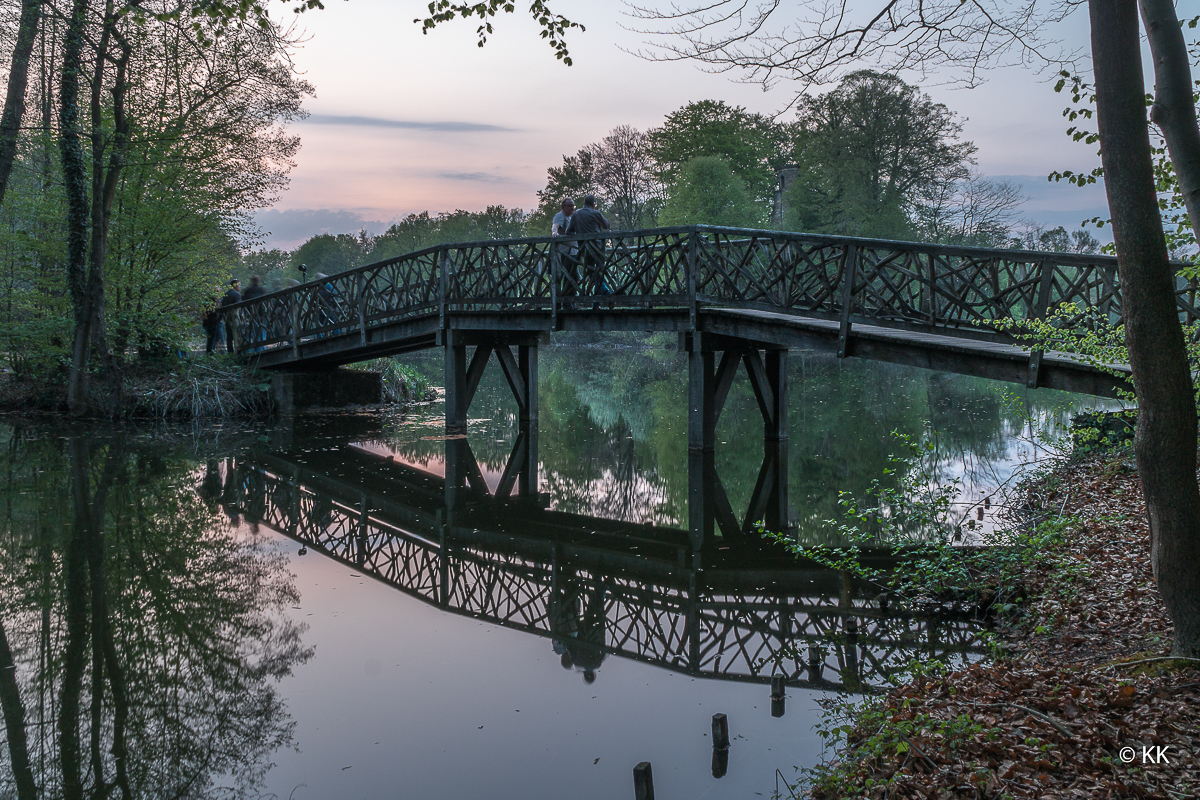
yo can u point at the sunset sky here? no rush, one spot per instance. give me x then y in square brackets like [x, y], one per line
[404, 122]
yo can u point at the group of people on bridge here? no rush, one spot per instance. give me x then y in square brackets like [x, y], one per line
[220, 325]
[588, 254]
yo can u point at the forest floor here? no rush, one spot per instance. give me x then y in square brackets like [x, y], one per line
[1079, 702]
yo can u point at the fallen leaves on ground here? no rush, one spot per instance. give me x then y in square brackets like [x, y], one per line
[1061, 715]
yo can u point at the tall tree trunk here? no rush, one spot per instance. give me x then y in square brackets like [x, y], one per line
[1165, 442]
[18, 79]
[78, 209]
[14, 722]
[104, 184]
[1174, 109]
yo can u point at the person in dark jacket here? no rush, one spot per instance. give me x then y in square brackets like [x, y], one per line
[211, 320]
[232, 295]
[255, 289]
[589, 220]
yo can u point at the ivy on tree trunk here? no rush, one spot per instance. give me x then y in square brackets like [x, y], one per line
[75, 179]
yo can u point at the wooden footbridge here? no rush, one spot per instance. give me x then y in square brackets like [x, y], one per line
[736, 297]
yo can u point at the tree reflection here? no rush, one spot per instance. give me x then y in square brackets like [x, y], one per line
[613, 439]
[141, 635]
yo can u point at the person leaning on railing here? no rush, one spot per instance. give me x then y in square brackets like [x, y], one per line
[589, 220]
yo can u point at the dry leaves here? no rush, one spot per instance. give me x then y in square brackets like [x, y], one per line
[1057, 718]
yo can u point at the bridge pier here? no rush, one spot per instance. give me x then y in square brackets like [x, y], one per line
[462, 376]
[709, 380]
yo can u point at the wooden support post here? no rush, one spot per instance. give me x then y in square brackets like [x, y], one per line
[701, 502]
[720, 731]
[528, 420]
[702, 419]
[816, 665]
[555, 271]
[361, 285]
[443, 290]
[295, 309]
[778, 706]
[693, 618]
[776, 369]
[851, 627]
[777, 686]
[692, 265]
[849, 276]
[643, 782]
[457, 395]
[1045, 286]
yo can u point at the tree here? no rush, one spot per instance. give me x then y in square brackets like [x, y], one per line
[625, 179]
[753, 145]
[574, 179]
[707, 192]
[869, 151]
[922, 34]
[146, 627]
[330, 253]
[974, 211]
[619, 170]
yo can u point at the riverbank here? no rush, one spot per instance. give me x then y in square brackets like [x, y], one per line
[192, 386]
[1079, 700]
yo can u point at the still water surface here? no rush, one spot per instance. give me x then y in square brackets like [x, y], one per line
[290, 610]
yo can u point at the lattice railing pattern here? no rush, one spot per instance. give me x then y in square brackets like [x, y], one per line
[955, 290]
[735, 635]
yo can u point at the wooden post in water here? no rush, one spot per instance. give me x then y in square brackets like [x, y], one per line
[720, 730]
[643, 782]
[815, 664]
[777, 695]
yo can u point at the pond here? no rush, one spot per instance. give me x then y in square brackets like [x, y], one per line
[293, 610]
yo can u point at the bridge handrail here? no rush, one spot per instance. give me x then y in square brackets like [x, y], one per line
[959, 289]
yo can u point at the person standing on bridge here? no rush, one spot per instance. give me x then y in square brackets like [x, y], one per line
[256, 288]
[233, 295]
[589, 220]
[562, 218]
[566, 252]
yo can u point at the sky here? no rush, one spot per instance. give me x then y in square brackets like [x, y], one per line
[404, 122]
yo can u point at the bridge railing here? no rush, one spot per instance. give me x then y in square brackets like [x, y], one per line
[895, 284]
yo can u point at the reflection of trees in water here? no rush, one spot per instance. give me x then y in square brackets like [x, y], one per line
[142, 635]
[614, 431]
[594, 460]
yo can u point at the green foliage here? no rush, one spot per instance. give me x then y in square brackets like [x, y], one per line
[868, 151]
[753, 145]
[707, 192]
[194, 170]
[330, 253]
[402, 383]
[418, 231]
[909, 508]
[619, 170]
[869, 734]
[554, 26]
[1180, 233]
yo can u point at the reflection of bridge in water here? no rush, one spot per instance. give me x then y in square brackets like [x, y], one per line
[734, 609]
